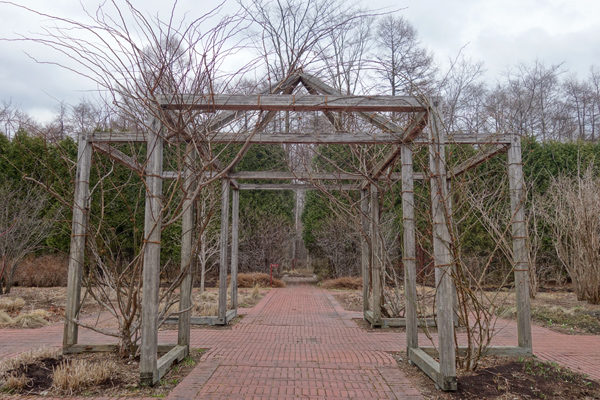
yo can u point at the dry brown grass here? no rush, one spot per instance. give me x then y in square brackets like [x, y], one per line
[5, 319]
[14, 383]
[260, 279]
[11, 304]
[78, 375]
[32, 319]
[207, 304]
[345, 282]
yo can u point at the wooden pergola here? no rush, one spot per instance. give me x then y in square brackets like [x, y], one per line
[324, 98]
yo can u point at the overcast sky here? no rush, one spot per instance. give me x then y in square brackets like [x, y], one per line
[501, 33]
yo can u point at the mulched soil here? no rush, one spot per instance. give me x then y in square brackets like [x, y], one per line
[124, 383]
[503, 378]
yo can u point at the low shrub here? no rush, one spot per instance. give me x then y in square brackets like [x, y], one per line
[49, 270]
[260, 279]
[345, 282]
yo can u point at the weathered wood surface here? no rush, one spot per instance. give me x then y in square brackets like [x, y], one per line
[409, 251]
[501, 351]
[295, 186]
[119, 157]
[520, 250]
[210, 320]
[187, 257]
[308, 138]
[235, 227]
[175, 355]
[426, 363]
[365, 256]
[442, 256]
[151, 269]
[292, 102]
[78, 238]
[413, 129]
[107, 348]
[380, 121]
[377, 261]
[224, 250]
[300, 176]
[477, 159]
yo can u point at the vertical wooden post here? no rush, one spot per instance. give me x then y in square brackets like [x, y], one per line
[376, 255]
[364, 247]
[442, 255]
[454, 292]
[151, 271]
[409, 253]
[78, 236]
[187, 256]
[520, 251]
[235, 226]
[224, 251]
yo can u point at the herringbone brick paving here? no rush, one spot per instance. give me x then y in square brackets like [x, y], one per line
[299, 343]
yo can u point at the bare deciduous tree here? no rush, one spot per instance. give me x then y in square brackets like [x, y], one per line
[24, 225]
[572, 209]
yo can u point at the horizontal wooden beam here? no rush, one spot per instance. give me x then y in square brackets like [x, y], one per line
[107, 348]
[292, 102]
[309, 138]
[300, 176]
[500, 351]
[294, 186]
[401, 322]
[314, 84]
[175, 355]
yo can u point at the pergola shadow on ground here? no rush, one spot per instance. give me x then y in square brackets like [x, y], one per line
[423, 113]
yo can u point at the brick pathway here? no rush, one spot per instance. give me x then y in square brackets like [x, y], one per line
[296, 343]
[299, 343]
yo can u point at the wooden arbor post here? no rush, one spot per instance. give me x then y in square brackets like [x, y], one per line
[377, 256]
[187, 256]
[78, 238]
[442, 256]
[235, 226]
[364, 246]
[520, 252]
[151, 272]
[409, 253]
[222, 306]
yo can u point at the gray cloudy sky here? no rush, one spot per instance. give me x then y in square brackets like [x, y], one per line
[501, 33]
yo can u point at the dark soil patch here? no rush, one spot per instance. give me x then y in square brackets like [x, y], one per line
[503, 378]
[39, 374]
[124, 383]
[529, 379]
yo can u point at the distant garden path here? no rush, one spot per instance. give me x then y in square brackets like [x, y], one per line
[299, 343]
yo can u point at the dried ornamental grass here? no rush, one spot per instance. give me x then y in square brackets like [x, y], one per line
[9, 304]
[5, 319]
[32, 319]
[78, 375]
[14, 383]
